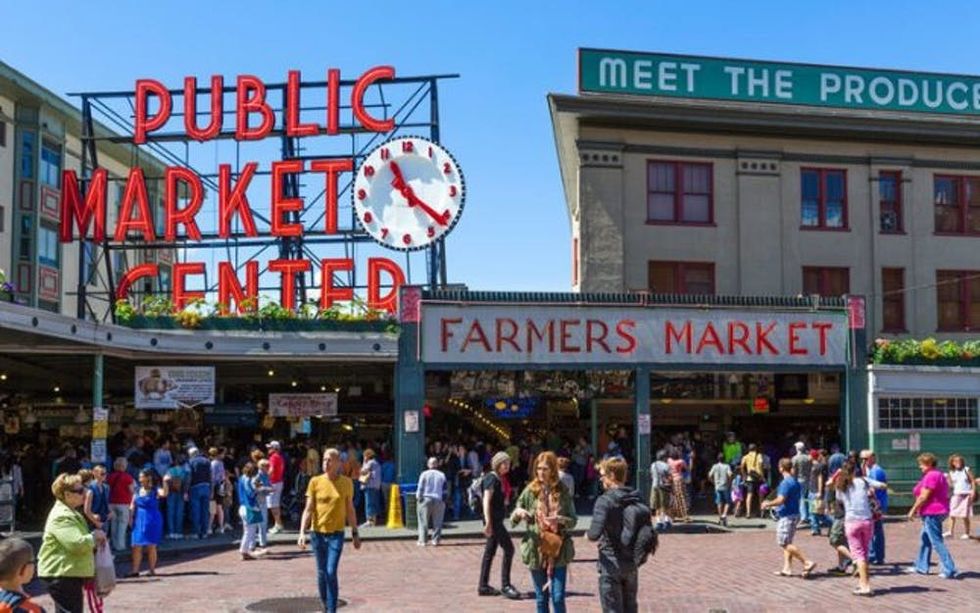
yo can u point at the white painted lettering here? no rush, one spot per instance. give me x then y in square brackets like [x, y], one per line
[829, 84]
[735, 72]
[784, 84]
[874, 90]
[957, 105]
[937, 99]
[760, 80]
[853, 88]
[908, 93]
[667, 77]
[612, 72]
[976, 96]
[642, 73]
[689, 70]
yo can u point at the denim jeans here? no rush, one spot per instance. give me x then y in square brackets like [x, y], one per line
[617, 591]
[119, 525]
[878, 543]
[372, 503]
[804, 501]
[932, 538]
[327, 548]
[556, 591]
[175, 513]
[200, 508]
[264, 526]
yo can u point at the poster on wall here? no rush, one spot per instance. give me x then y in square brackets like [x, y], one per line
[172, 387]
[303, 405]
[411, 421]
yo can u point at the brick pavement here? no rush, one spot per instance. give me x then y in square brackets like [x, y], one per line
[691, 572]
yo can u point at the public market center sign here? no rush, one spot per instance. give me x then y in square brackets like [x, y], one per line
[677, 76]
[557, 334]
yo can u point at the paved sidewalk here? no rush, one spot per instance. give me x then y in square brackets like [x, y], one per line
[691, 572]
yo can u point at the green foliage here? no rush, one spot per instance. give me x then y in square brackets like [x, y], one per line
[887, 351]
[125, 312]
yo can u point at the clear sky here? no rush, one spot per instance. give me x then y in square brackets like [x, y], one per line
[514, 233]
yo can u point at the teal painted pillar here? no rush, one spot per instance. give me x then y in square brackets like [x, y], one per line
[409, 400]
[97, 378]
[594, 431]
[855, 423]
[641, 428]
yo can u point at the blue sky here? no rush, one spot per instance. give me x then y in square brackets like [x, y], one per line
[514, 233]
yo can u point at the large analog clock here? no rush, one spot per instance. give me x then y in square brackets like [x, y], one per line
[408, 193]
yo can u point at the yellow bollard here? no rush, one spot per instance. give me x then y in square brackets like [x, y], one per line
[395, 508]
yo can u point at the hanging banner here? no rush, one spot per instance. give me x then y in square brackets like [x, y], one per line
[172, 387]
[566, 334]
[100, 422]
[98, 451]
[303, 405]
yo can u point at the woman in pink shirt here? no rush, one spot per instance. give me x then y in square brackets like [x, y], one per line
[932, 505]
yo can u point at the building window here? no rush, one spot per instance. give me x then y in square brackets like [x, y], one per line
[927, 413]
[164, 279]
[25, 237]
[890, 193]
[679, 192]
[893, 299]
[826, 281]
[958, 299]
[27, 155]
[957, 204]
[681, 278]
[3, 133]
[47, 247]
[50, 165]
[824, 203]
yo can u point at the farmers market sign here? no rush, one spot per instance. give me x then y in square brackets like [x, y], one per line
[680, 76]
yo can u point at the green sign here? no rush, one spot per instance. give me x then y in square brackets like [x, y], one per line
[677, 76]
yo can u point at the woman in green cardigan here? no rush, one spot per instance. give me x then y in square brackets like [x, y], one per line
[546, 506]
[67, 555]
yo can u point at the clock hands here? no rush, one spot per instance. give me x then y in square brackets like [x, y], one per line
[406, 191]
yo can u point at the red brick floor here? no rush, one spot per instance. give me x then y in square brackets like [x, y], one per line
[691, 572]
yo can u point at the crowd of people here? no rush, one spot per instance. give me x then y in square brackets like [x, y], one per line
[169, 489]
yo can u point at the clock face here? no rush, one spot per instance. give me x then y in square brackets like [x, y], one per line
[408, 193]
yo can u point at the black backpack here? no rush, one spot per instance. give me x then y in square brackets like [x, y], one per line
[639, 539]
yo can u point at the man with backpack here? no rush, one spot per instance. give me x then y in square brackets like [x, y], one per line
[621, 524]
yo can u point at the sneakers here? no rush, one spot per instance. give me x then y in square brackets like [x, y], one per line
[964, 537]
[434, 542]
[367, 524]
[724, 521]
[510, 592]
[911, 570]
[486, 590]
[275, 530]
[946, 535]
[422, 544]
[955, 575]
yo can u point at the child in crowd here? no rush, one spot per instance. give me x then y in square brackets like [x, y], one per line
[16, 569]
[738, 493]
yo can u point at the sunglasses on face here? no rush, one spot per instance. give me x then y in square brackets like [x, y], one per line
[77, 490]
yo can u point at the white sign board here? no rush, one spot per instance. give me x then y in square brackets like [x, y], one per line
[303, 405]
[170, 387]
[411, 421]
[643, 423]
[900, 444]
[553, 334]
[98, 452]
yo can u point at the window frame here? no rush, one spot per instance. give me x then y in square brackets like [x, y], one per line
[679, 193]
[50, 148]
[962, 205]
[899, 300]
[896, 203]
[963, 279]
[679, 268]
[888, 402]
[824, 271]
[822, 202]
[45, 233]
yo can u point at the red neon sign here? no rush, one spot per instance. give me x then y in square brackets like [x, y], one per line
[184, 192]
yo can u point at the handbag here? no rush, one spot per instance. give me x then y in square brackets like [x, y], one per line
[549, 544]
[105, 570]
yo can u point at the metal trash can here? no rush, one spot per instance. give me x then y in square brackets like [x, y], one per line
[410, 504]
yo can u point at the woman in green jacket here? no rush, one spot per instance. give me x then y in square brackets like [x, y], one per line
[547, 507]
[67, 555]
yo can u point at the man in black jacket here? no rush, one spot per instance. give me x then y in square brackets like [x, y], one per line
[617, 570]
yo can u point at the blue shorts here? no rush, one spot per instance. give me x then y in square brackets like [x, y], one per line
[722, 496]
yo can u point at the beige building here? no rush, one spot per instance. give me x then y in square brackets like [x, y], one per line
[40, 136]
[699, 194]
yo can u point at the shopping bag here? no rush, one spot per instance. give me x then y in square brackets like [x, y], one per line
[105, 570]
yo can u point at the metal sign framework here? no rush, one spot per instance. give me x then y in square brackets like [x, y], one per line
[107, 117]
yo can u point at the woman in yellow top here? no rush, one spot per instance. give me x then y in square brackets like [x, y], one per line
[67, 555]
[547, 507]
[329, 508]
